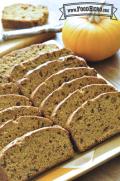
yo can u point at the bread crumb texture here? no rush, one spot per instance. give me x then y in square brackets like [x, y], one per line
[24, 15]
[38, 150]
[95, 121]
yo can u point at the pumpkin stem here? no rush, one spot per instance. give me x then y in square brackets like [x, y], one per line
[94, 19]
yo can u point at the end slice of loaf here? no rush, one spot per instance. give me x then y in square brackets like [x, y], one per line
[35, 151]
[16, 128]
[52, 100]
[42, 72]
[56, 80]
[20, 70]
[9, 88]
[64, 109]
[17, 111]
[10, 100]
[8, 61]
[24, 15]
[96, 120]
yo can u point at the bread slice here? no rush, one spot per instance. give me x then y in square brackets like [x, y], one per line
[10, 100]
[18, 16]
[63, 110]
[56, 80]
[8, 61]
[20, 70]
[42, 72]
[9, 88]
[35, 152]
[53, 99]
[16, 128]
[17, 111]
[96, 120]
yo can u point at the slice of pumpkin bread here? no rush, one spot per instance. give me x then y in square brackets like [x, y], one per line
[9, 88]
[36, 76]
[8, 61]
[95, 121]
[56, 80]
[17, 16]
[16, 128]
[21, 69]
[17, 111]
[53, 99]
[63, 110]
[10, 100]
[36, 152]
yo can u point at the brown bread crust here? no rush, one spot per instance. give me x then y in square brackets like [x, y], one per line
[9, 88]
[56, 80]
[17, 111]
[10, 100]
[9, 61]
[64, 109]
[21, 17]
[36, 76]
[52, 100]
[12, 129]
[95, 121]
[51, 146]
[48, 53]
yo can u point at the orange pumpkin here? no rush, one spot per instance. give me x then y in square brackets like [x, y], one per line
[94, 38]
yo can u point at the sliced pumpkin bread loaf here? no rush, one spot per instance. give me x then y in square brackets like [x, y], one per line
[42, 72]
[74, 100]
[16, 128]
[9, 88]
[17, 111]
[20, 15]
[56, 80]
[53, 99]
[95, 121]
[10, 100]
[39, 150]
[8, 61]
[21, 69]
